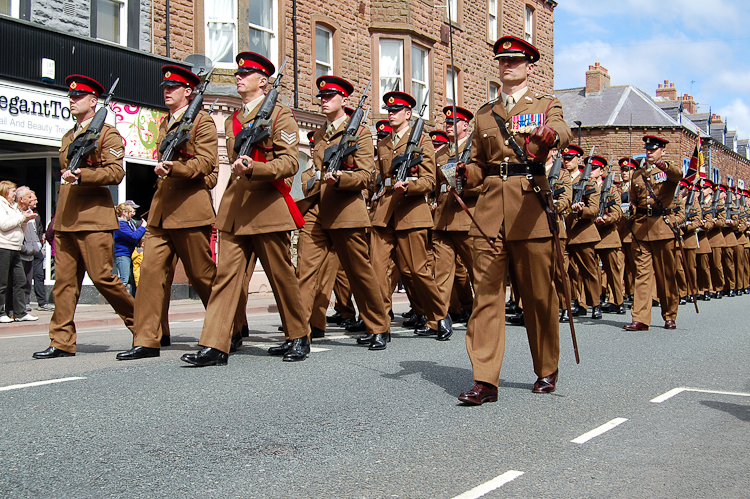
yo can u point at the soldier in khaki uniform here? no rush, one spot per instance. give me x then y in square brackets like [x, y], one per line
[583, 236]
[401, 218]
[85, 222]
[716, 240]
[704, 251]
[450, 235]
[689, 220]
[571, 156]
[730, 239]
[609, 247]
[627, 165]
[255, 219]
[511, 212]
[337, 213]
[180, 217]
[652, 193]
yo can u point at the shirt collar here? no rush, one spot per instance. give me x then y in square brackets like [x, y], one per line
[81, 126]
[517, 96]
[397, 136]
[249, 107]
[337, 122]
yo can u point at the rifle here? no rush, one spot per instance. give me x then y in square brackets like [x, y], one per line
[580, 188]
[179, 136]
[463, 157]
[404, 162]
[553, 178]
[334, 156]
[260, 128]
[86, 143]
[603, 203]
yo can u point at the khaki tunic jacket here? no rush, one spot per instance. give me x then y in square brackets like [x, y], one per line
[449, 215]
[653, 228]
[408, 210]
[340, 206]
[510, 205]
[88, 206]
[610, 237]
[255, 205]
[715, 233]
[689, 231]
[581, 226]
[730, 238]
[182, 199]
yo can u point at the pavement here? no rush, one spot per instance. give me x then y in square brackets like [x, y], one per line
[657, 414]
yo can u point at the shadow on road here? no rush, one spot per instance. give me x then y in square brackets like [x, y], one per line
[741, 412]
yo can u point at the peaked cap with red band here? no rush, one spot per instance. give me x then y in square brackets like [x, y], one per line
[652, 142]
[79, 85]
[706, 182]
[439, 137]
[310, 135]
[723, 187]
[349, 111]
[383, 128]
[175, 75]
[596, 161]
[330, 84]
[684, 183]
[250, 62]
[628, 163]
[397, 100]
[461, 114]
[572, 150]
[510, 46]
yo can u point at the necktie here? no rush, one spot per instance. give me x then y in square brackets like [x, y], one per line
[510, 103]
[245, 110]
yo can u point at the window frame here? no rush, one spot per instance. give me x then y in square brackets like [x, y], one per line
[497, 22]
[492, 82]
[123, 17]
[457, 16]
[335, 29]
[235, 42]
[458, 77]
[529, 9]
[276, 50]
[426, 58]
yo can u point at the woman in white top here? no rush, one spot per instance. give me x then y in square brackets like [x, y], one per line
[12, 226]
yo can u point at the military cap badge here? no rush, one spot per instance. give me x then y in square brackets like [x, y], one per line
[507, 45]
[167, 74]
[73, 86]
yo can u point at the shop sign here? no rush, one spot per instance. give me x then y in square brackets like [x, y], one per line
[38, 113]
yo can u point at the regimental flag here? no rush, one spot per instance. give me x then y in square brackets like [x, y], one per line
[696, 169]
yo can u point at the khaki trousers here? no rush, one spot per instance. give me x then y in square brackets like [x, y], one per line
[531, 261]
[727, 261]
[446, 246]
[704, 272]
[272, 249]
[584, 255]
[683, 278]
[628, 266]
[655, 264]
[610, 258]
[413, 247]
[326, 283]
[717, 270]
[75, 254]
[353, 253]
[191, 245]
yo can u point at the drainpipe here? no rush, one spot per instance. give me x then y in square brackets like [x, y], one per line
[294, 43]
[166, 28]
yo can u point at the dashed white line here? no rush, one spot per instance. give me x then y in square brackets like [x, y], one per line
[598, 431]
[38, 383]
[493, 484]
[674, 391]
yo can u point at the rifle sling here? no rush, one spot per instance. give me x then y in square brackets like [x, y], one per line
[503, 125]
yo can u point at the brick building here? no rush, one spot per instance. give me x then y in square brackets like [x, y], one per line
[615, 118]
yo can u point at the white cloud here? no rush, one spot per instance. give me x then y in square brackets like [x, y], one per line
[736, 114]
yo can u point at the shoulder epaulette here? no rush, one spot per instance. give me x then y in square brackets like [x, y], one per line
[543, 96]
[490, 102]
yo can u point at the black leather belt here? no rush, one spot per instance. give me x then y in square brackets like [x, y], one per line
[515, 169]
[654, 212]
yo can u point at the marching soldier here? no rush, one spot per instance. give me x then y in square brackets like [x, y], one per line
[85, 222]
[716, 240]
[256, 217]
[337, 213]
[727, 258]
[689, 220]
[608, 249]
[623, 228]
[511, 211]
[563, 199]
[652, 193]
[704, 253]
[583, 237]
[180, 217]
[450, 235]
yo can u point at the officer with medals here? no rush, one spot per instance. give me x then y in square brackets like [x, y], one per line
[512, 138]
[652, 191]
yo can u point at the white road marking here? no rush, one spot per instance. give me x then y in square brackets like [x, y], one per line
[338, 337]
[674, 391]
[318, 349]
[38, 383]
[493, 484]
[598, 431]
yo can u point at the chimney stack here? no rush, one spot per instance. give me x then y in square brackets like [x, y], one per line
[668, 91]
[597, 79]
[689, 105]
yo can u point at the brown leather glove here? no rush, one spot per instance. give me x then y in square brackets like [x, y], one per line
[542, 139]
[462, 171]
[661, 165]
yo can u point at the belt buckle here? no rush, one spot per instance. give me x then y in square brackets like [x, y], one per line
[504, 170]
[649, 211]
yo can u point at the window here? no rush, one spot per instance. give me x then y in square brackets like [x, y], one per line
[109, 20]
[10, 8]
[391, 66]
[323, 51]
[494, 91]
[529, 25]
[263, 27]
[492, 20]
[420, 62]
[451, 10]
[221, 31]
[451, 84]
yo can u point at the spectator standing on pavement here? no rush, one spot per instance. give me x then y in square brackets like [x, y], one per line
[12, 225]
[31, 245]
[49, 236]
[38, 264]
[126, 240]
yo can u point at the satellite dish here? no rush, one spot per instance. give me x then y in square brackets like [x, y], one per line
[201, 65]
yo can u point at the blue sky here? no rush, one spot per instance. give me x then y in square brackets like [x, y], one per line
[698, 44]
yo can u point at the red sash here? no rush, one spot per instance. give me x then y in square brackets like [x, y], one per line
[280, 185]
